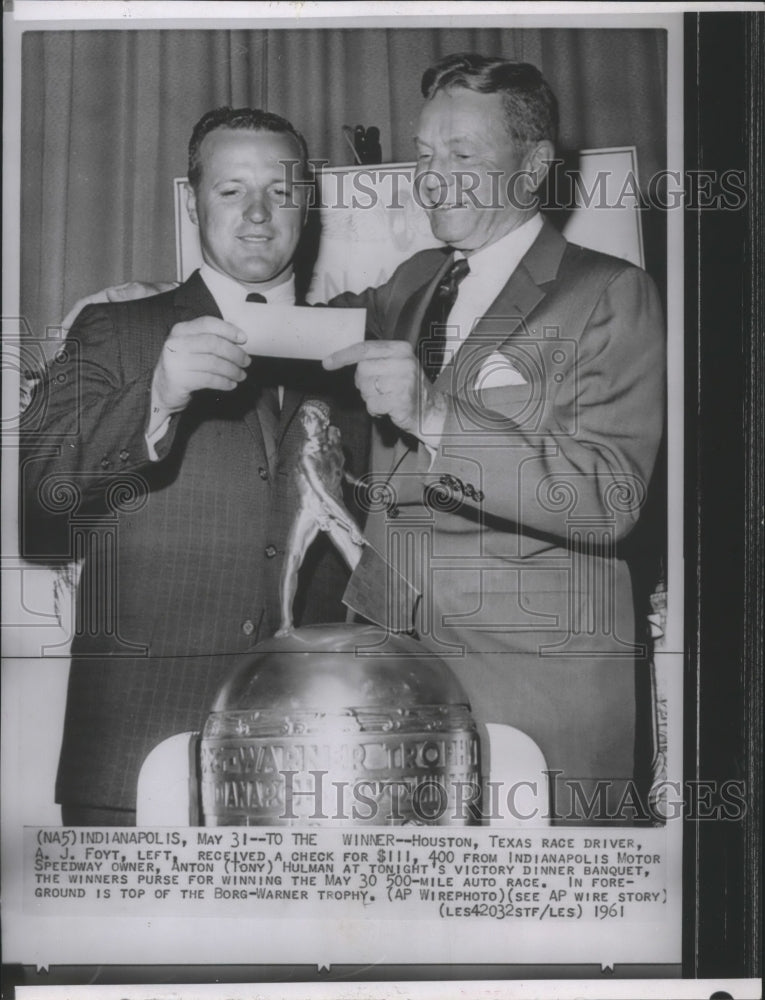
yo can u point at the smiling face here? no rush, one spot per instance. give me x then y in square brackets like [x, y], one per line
[248, 206]
[472, 185]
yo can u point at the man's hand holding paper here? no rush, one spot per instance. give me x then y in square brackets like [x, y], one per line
[392, 382]
[212, 353]
[204, 353]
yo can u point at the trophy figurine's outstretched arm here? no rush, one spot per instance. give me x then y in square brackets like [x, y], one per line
[318, 476]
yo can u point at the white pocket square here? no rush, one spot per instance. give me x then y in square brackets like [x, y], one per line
[497, 371]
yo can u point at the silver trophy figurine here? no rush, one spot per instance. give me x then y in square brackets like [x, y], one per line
[337, 724]
[318, 479]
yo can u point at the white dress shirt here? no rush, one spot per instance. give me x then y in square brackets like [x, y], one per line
[490, 270]
[226, 291]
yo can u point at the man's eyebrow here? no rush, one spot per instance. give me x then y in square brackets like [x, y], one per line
[453, 140]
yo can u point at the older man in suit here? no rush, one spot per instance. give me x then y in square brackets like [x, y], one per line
[517, 383]
[174, 450]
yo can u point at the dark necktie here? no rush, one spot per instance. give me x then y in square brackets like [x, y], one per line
[269, 409]
[432, 340]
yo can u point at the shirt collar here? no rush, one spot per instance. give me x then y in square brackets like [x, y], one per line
[511, 247]
[225, 289]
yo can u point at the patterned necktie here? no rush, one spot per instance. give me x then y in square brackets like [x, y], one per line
[269, 409]
[432, 340]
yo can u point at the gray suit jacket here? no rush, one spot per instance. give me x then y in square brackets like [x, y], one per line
[511, 529]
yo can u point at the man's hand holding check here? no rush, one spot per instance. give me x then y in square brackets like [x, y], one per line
[203, 353]
[393, 383]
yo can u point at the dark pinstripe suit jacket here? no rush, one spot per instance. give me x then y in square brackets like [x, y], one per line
[181, 557]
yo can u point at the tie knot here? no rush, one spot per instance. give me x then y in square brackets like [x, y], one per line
[449, 285]
[459, 269]
[256, 297]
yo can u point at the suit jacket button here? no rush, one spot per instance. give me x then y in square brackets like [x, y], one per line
[124, 455]
[270, 551]
[247, 627]
[263, 472]
[105, 463]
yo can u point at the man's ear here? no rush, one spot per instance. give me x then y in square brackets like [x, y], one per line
[305, 189]
[191, 204]
[537, 162]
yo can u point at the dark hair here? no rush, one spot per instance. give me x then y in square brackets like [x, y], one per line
[531, 108]
[239, 118]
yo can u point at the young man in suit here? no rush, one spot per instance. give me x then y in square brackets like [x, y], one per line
[172, 450]
[517, 450]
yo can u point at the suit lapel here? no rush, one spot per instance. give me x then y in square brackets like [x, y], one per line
[414, 309]
[290, 405]
[193, 299]
[409, 324]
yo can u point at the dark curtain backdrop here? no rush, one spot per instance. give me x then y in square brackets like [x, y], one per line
[106, 117]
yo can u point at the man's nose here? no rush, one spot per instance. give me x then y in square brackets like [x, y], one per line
[443, 166]
[435, 182]
[256, 208]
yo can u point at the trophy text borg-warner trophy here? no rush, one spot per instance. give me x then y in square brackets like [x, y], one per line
[337, 724]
